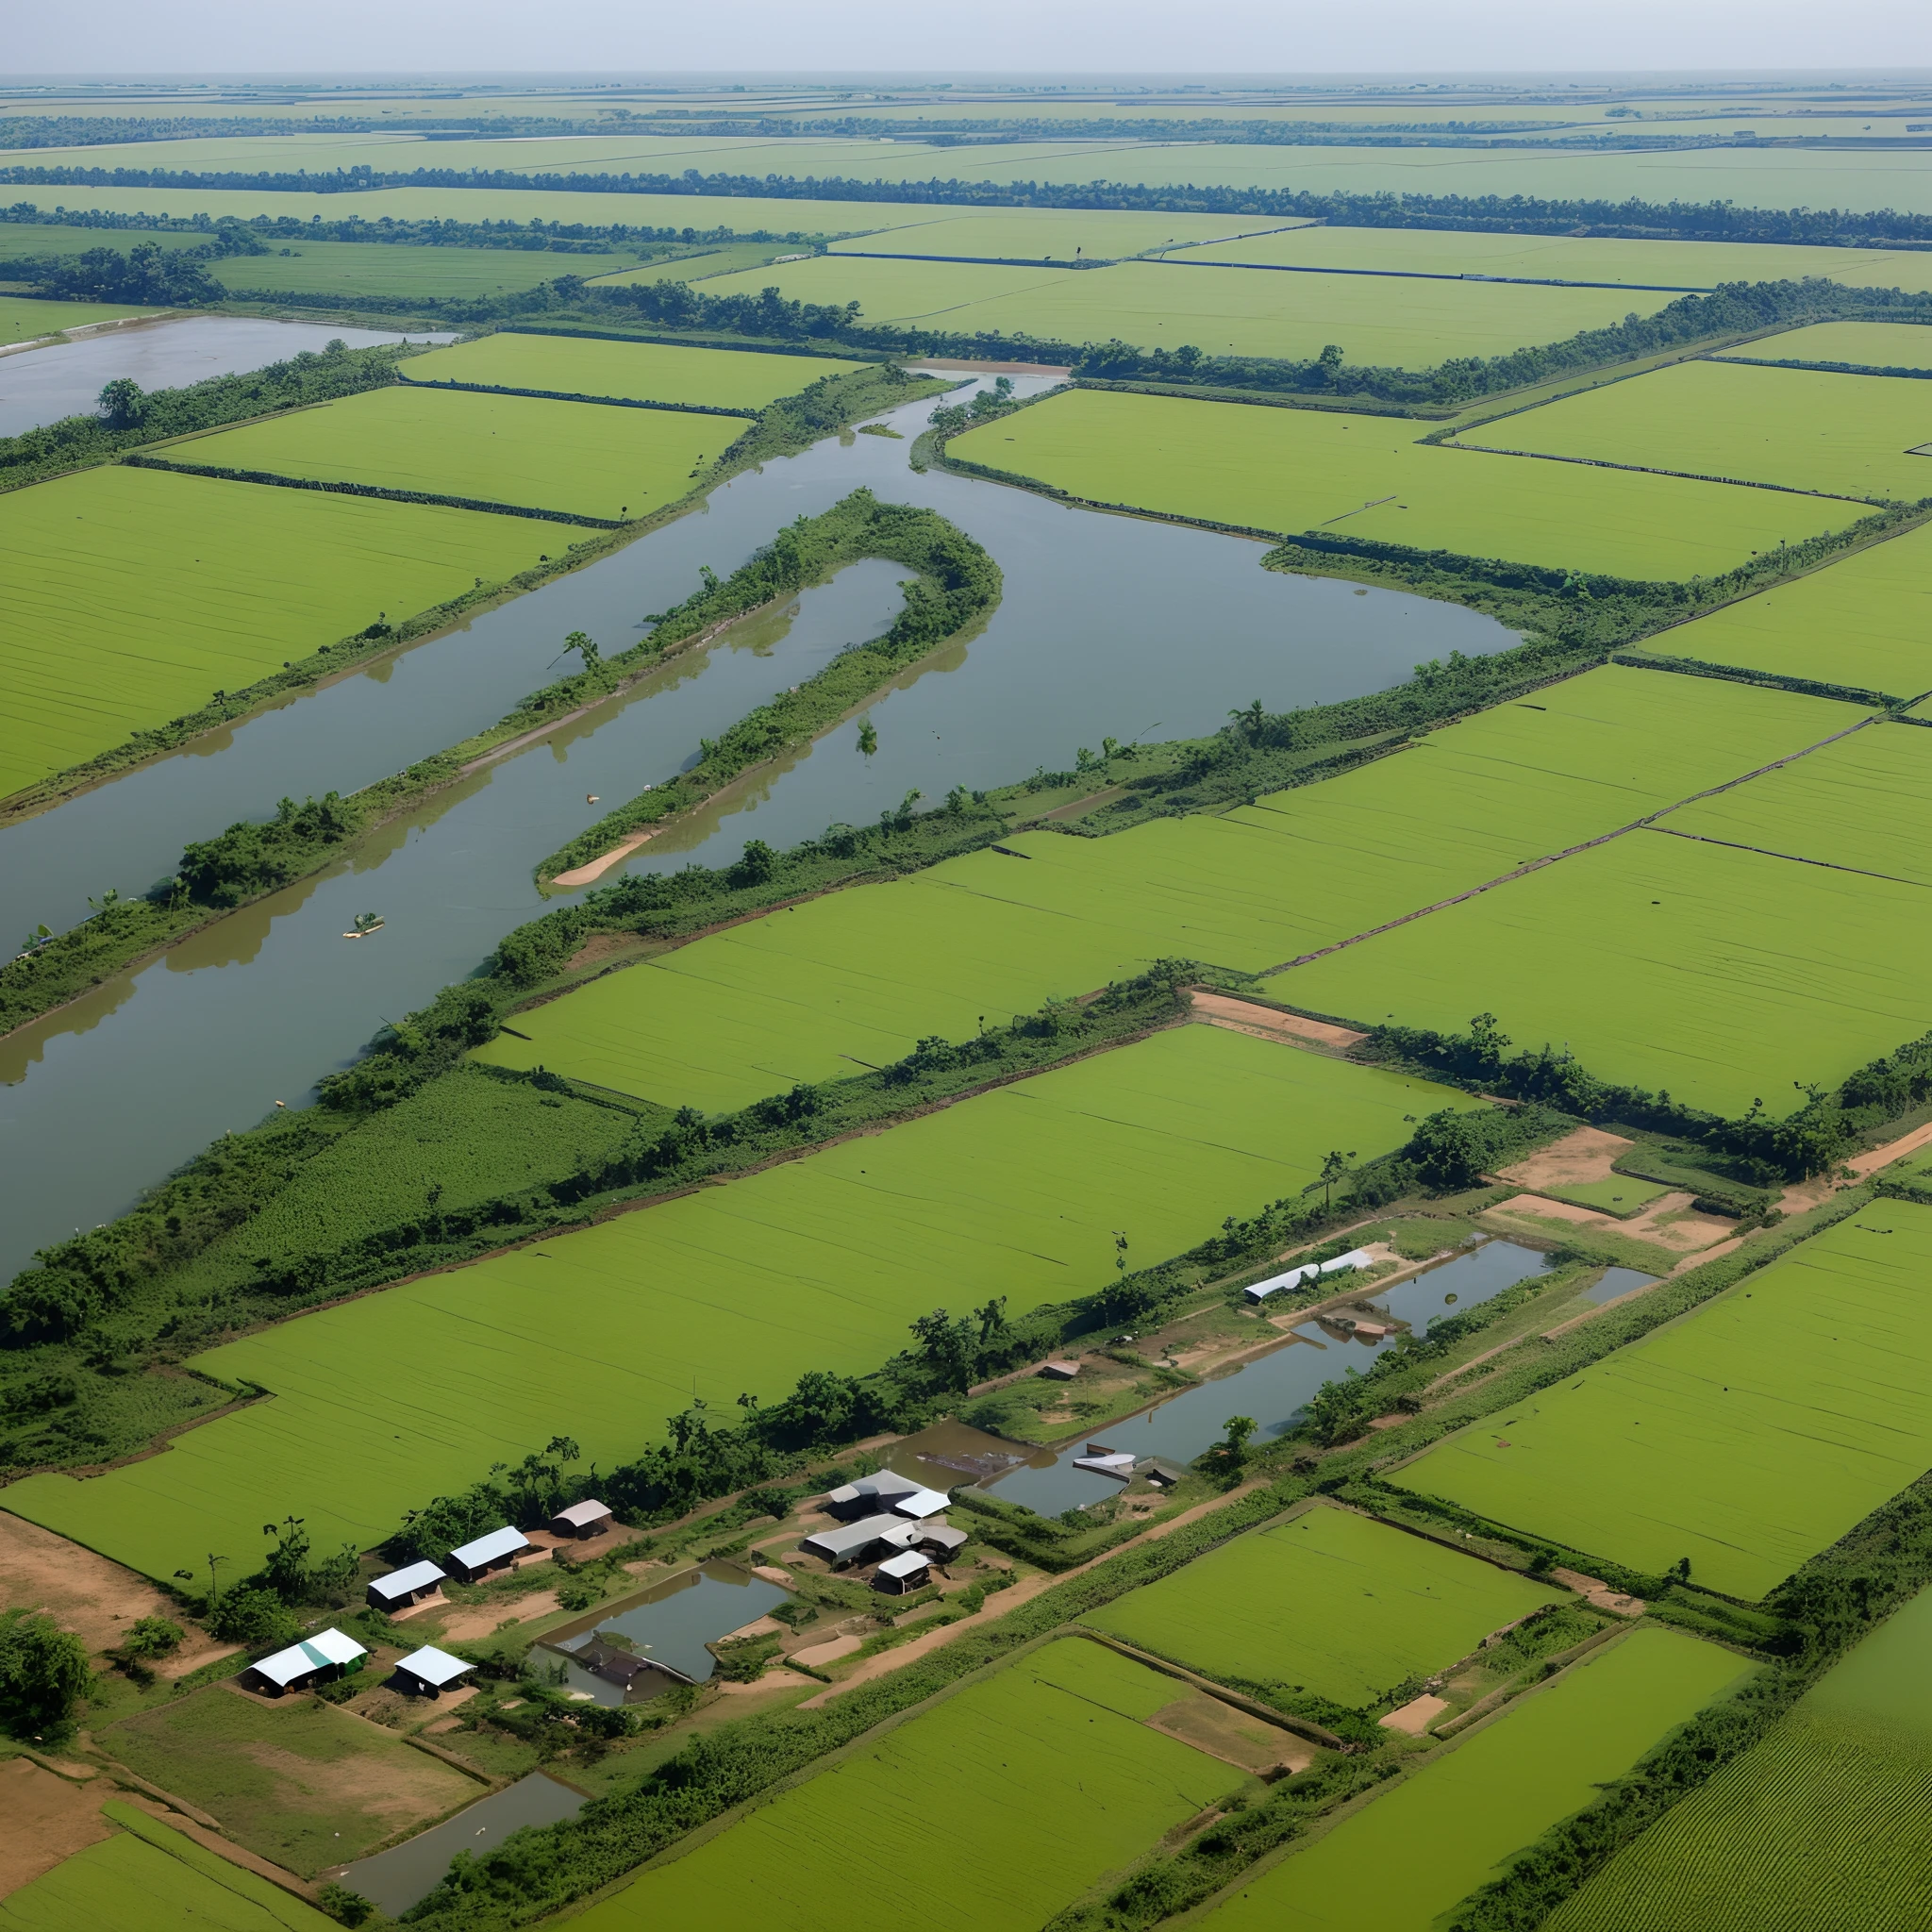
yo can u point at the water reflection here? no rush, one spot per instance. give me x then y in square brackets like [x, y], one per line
[1615, 1282]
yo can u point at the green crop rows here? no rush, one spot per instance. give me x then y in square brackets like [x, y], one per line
[1746, 1439]
[1433, 1838]
[1058, 235]
[1329, 1602]
[390, 268]
[132, 596]
[519, 450]
[642, 372]
[1290, 471]
[1046, 1773]
[1866, 344]
[816, 1264]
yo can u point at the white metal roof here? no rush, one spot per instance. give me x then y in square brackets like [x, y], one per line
[1107, 1465]
[942, 1534]
[315, 1653]
[1356, 1257]
[485, 1549]
[841, 1537]
[402, 1582]
[588, 1510]
[433, 1666]
[906, 1564]
[1262, 1289]
[922, 1502]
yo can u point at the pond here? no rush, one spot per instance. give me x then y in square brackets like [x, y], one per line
[1274, 1388]
[1616, 1282]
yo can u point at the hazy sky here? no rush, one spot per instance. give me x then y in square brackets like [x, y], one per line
[993, 35]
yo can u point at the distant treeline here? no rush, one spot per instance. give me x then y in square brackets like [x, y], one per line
[1708, 221]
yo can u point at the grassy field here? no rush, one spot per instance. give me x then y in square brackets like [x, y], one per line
[1799, 428]
[1718, 974]
[1289, 471]
[1046, 1777]
[520, 450]
[1157, 306]
[393, 268]
[1747, 1437]
[862, 976]
[1873, 344]
[1060, 235]
[644, 371]
[1571, 258]
[1402, 1861]
[819, 1263]
[1370, 1606]
[296, 1781]
[155, 1878]
[1619, 1195]
[133, 595]
[726, 258]
[23, 238]
[1825, 1824]
[22, 318]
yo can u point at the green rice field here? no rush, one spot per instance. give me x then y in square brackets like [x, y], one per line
[1798, 429]
[161, 590]
[1868, 345]
[160, 1880]
[1047, 1777]
[22, 318]
[640, 371]
[1716, 974]
[1747, 1437]
[1402, 1862]
[819, 1263]
[1290, 471]
[520, 450]
[396, 268]
[1159, 307]
[1330, 1602]
[1619, 1195]
[858, 977]
[32, 238]
[1825, 1824]
[1057, 235]
[726, 258]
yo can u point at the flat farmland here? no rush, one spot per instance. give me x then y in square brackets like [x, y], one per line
[820, 1264]
[1291, 470]
[522, 450]
[1866, 344]
[1053, 1778]
[1401, 1863]
[1828, 1822]
[1409, 325]
[858, 978]
[396, 268]
[161, 590]
[35, 238]
[725, 259]
[23, 319]
[1370, 1606]
[1747, 1437]
[1059, 234]
[1864, 622]
[1797, 428]
[1718, 974]
[639, 371]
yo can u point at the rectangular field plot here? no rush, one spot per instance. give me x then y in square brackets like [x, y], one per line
[639, 371]
[1798, 429]
[1827, 1822]
[1405, 324]
[1402, 1862]
[516, 450]
[1863, 344]
[1052, 1779]
[1058, 235]
[1865, 621]
[393, 268]
[1332, 1603]
[857, 979]
[1718, 974]
[820, 1264]
[162, 589]
[1747, 1437]
[23, 319]
[1294, 471]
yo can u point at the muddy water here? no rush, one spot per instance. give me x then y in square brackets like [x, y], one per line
[1108, 625]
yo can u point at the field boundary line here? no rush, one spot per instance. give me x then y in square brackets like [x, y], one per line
[564, 395]
[1789, 858]
[1284, 1721]
[1420, 274]
[1539, 456]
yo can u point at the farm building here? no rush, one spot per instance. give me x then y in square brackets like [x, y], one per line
[1060, 1371]
[940, 1540]
[637, 1676]
[851, 1542]
[316, 1659]
[908, 1571]
[1310, 1271]
[499, 1550]
[428, 1672]
[920, 1502]
[585, 1518]
[402, 1588]
[1162, 1474]
[868, 1494]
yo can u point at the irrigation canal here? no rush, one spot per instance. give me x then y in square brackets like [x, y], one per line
[1109, 626]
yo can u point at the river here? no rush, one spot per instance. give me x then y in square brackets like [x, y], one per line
[1108, 625]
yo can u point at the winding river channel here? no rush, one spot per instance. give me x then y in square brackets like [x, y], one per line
[1109, 626]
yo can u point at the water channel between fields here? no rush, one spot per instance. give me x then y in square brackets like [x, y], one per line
[40, 386]
[1109, 626]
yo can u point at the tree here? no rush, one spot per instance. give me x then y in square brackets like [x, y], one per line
[1329, 361]
[44, 1672]
[1335, 1166]
[868, 737]
[1238, 1429]
[122, 403]
[286, 1571]
[946, 1348]
[992, 1319]
[151, 1637]
[585, 646]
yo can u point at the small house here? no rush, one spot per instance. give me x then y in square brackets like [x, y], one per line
[939, 1539]
[585, 1519]
[870, 1495]
[316, 1659]
[920, 1502]
[1060, 1371]
[850, 1542]
[499, 1550]
[898, 1575]
[402, 1588]
[638, 1677]
[430, 1672]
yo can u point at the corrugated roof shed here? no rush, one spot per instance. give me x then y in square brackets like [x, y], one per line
[433, 1666]
[315, 1653]
[490, 1548]
[401, 1583]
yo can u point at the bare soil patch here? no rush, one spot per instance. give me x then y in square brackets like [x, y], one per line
[466, 1622]
[47, 1819]
[1669, 1223]
[1232, 1736]
[1245, 1016]
[1414, 1717]
[1585, 1154]
[596, 868]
